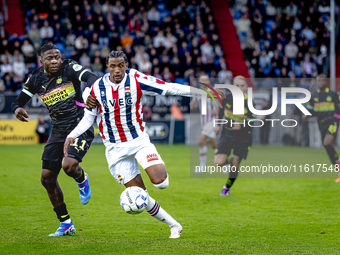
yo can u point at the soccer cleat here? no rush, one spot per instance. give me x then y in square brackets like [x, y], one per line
[65, 229]
[175, 231]
[225, 191]
[85, 191]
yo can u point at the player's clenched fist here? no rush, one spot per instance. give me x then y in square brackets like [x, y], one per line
[68, 142]
[91, 102]
[21, 114]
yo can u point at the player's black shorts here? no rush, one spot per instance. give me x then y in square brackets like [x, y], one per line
[239, 141]
[54, 148]
[329, 128]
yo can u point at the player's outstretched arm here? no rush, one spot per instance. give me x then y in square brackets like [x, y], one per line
[85, 123]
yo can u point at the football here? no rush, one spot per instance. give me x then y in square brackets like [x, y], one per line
[134, 200]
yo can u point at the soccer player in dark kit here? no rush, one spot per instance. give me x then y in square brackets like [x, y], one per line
[324, 104]
[57, 83]
[236, 137]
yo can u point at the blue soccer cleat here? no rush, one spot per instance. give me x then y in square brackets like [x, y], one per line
[225, 191]
[65, 229]
[85, 191]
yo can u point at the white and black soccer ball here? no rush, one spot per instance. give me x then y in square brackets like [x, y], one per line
[134, 200]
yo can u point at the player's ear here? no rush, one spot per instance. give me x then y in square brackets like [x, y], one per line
[127, 65]
[41, 60]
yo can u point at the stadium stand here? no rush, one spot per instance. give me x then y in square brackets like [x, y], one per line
[284, 39]
[173, 40]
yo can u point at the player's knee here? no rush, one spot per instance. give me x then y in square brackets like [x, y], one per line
[326, 144]
[201, 143]
[48, 182]
[162, 183]
[70, 167]
[219, 162]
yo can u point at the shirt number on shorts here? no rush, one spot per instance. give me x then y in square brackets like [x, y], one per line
[78, 148]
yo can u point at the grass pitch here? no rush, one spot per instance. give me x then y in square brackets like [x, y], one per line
[262, 216]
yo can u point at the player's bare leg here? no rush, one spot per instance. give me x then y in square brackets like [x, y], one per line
[220, 159]
[137, 181]
[213, 143]
[328, 144]
[73, 169]
[159, 178]
[49, 181]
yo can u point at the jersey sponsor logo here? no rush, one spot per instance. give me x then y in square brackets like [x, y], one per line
[151, 157]
[76, 67]
[58, 94]
[127, 91]
[128, 101]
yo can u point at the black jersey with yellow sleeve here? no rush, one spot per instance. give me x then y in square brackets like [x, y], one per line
[61, 92]
[227, 112]
[325, 106]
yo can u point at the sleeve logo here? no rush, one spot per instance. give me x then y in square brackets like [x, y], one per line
[76, 67]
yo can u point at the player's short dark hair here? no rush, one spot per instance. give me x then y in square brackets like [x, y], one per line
[116, 54]
[45, 48]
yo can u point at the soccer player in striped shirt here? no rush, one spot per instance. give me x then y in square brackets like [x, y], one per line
[119, 117]
[208, 133]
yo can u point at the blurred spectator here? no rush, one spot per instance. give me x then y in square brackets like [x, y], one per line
[147, 113]
[5, 67]
[46, 32]
[84, 59]
[126, 39]
[97, 67]
[27, 48]
[153, 16]
[34, 34]
[243, 26]
[159, 40]
[81, 43]
[19, 66]
[225, 76]
[167, 75]
[42, 129]
[144, 66]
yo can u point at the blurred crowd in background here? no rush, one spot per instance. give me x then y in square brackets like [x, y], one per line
[171, 40]
[284, 39]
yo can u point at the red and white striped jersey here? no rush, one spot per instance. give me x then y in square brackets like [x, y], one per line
[210, 108]
[120, 113]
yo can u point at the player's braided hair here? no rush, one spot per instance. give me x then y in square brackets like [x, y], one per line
[116, 54]
[45, 48]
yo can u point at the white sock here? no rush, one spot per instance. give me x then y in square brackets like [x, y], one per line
[155, 210]
[203, 156]
[67, 221]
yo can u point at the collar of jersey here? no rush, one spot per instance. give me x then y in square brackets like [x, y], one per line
[114, 85]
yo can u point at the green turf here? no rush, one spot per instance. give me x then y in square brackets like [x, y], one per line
[262, 216]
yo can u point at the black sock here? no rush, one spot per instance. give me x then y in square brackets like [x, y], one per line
[232, 178]
[81, 178]
[333, 156]
[61, 212]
